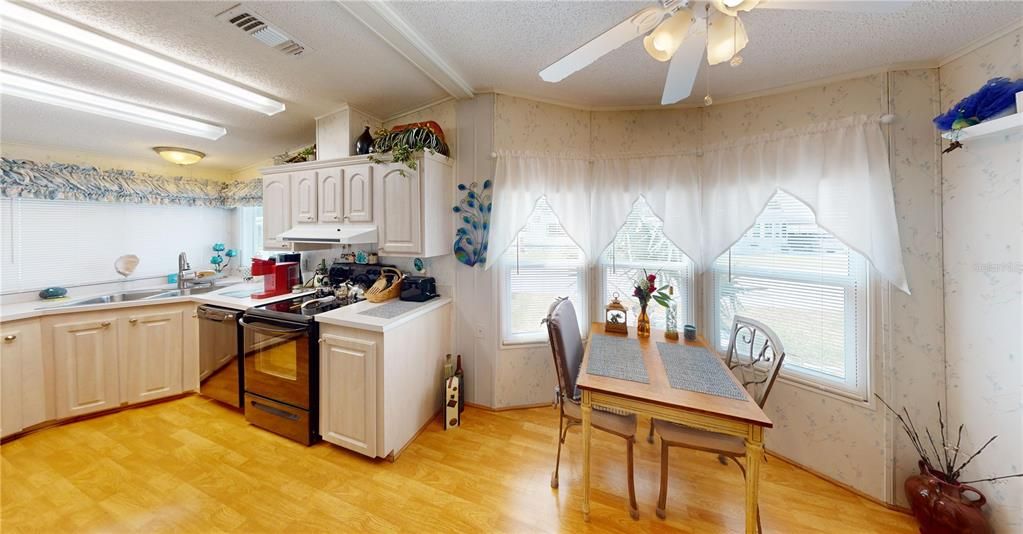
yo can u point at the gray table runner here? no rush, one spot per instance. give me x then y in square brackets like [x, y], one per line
[694, 369]
[617, 357]
[392, 308]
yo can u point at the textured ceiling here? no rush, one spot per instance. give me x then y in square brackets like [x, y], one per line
[493, 45]
[503, 45]
[346, 62]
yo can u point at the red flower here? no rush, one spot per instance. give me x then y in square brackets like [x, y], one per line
[651, 278]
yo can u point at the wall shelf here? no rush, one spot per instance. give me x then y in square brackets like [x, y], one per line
[1000, 125]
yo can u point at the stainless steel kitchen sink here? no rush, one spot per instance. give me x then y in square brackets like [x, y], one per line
[146, 294]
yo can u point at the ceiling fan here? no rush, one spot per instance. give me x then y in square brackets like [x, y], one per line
[681, 30]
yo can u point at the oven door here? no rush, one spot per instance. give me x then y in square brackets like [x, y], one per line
[277, 359]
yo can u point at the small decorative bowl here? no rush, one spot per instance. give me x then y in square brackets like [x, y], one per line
[53, 293]
[689, 331]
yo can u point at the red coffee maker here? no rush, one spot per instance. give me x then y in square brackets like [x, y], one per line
[278, 278]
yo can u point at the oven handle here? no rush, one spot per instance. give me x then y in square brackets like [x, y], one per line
[274, 330]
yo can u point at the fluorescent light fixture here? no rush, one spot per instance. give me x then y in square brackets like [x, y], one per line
[48, 93]
[49, 30]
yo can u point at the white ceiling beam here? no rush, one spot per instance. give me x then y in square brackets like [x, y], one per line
[382, 20]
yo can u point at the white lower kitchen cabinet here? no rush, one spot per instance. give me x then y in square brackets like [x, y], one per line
[379, 389]
[152, 353]
[85, 360]
[22, 391]
[100, 360]
[348, 408]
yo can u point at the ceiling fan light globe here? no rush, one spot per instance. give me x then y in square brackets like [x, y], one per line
[733, 7]
[662, 43]
[726, 37]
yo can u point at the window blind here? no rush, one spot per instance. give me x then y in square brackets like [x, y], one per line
[806, 285]
[641, 244]
[542, 264]
[67, 243]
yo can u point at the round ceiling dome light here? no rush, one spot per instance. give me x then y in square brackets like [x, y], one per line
[179, 156]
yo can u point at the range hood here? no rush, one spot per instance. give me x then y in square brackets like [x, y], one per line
[339, 234]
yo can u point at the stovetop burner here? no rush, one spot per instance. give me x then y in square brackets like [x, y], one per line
[303, 307]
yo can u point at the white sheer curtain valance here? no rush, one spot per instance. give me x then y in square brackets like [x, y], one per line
[839, 169]
[519, 182]
[671, 187]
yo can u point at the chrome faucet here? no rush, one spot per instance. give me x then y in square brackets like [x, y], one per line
[185, 272]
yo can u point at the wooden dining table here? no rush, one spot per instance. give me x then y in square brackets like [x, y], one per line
[742, 418]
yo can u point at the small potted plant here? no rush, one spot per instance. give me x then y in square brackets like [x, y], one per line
[941, 502]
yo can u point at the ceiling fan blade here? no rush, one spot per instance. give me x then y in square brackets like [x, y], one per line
[846, 6]
[606, 42]
[684, 66]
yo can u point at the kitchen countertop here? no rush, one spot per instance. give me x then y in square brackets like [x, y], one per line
[351, 316]
[39, 308]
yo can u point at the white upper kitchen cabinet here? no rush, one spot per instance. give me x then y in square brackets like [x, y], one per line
[276, 210]
[358, 194]
[85, 358]
[416, 218]
[303, 197]
[22, 391]
[401, 224]
[410, 208]
[328, 194]
[152, 353]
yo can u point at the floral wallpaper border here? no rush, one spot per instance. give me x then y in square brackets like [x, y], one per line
[63, 181]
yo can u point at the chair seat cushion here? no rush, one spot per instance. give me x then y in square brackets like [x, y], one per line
[692, 438]
[622, 425]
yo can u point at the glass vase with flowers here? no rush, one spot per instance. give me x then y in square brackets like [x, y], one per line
[646, 289]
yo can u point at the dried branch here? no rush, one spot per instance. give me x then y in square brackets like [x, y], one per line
[914, 438]
[955, 456]
[944, 438]
[955, 474]
[937, 455]
[992, 479]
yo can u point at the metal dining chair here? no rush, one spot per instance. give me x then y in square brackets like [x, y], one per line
[567, 347]
[755, 355]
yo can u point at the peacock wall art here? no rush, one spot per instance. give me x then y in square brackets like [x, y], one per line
[473, 209]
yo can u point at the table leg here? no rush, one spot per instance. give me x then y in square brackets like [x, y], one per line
[587, 410]
[754, 455]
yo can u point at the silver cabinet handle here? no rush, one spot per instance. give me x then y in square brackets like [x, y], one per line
[105, 324]
[10, 338]
[133, 320]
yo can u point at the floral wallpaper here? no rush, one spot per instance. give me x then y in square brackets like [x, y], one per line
[26, 178]
[983, 241]
[647, 132]
[75, 182]
[524, 125]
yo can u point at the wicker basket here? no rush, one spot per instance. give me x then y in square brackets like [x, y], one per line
[380, 291]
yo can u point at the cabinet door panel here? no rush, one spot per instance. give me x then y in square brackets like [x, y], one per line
[303, 197]
[153, 353]
[358, 194]
[276, 210]
[328, 195]
[348, 405]
[401, 228]
[85, 360]
[11, 355]
[23, 393]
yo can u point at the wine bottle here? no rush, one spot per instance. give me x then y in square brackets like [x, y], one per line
[461, 384]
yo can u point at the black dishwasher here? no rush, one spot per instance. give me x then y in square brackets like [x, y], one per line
[220, 372]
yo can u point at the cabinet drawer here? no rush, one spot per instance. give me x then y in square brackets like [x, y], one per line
[288, 421]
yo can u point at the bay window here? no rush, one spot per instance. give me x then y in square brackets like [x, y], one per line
[806, 285]
[542, 264]
[641, 244]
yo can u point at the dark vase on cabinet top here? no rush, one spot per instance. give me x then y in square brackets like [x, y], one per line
[364, 143]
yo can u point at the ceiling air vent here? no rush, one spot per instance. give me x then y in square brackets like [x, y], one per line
[249, 21]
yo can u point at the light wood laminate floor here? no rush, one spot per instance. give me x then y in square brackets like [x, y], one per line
[191, 465]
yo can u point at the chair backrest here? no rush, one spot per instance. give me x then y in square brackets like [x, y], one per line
[566, 345]
[755, 355]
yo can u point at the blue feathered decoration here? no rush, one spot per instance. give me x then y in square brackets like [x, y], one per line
[470, 245]
[996, 96]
